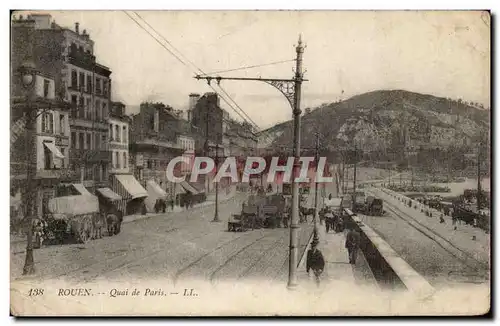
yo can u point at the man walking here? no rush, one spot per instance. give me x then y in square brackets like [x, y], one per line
[352, 243]
[315, 261]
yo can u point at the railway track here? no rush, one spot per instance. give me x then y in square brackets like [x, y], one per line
[475, 266]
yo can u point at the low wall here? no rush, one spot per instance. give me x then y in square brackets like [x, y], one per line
[390, 270]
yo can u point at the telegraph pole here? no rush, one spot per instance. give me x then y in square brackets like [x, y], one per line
[479, 175]
[316, 191]
[291, 89]
[216, 214]
[355, 168]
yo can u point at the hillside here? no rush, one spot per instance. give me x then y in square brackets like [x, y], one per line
[387, 119]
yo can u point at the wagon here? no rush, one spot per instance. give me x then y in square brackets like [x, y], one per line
[76, 217]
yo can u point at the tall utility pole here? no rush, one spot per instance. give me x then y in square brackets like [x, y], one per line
[346, 184]
[479, 174]
[29, 198]
[216, 213]
[355, 168]
[316, 191]
[291, 89]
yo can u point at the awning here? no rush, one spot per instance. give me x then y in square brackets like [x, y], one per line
[179, 189]
[189, 188]
[109, 194]
[73, 205]
[155, 189]
[128, 187]
[54, 150]
[81, 189]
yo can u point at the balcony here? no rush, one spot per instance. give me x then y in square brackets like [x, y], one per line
[81, 59]
[18, 171]
[91, 124]
[90, 156]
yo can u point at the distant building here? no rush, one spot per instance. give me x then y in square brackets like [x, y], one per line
[157, 135]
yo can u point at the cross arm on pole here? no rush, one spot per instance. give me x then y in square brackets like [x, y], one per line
[285, 86]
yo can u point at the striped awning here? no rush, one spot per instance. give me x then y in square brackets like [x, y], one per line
[109, 194]
[155, 190]
[127, 186]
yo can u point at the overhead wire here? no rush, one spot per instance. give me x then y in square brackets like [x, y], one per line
[193, 65]
[199, 69]
[249, 67]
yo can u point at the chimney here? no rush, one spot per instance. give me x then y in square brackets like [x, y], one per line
[77, 28]
[193, 99]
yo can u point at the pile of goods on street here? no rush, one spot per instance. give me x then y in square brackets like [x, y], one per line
[263, 210]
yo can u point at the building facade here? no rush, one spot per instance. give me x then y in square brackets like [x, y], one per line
[119, 138]
[67, 56]
[47, 146]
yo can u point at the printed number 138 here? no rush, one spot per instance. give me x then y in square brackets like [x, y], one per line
[35, 292]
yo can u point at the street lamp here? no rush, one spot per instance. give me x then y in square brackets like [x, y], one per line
[292, 90]
[27, 72]
[216, 213]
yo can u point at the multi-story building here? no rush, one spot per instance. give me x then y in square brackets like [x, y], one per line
[157, 135]
[239, 139]
[67, 55]
[118, 138]
[207, 117]
[48, 146]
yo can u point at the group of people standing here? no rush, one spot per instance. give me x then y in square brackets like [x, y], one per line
[315, 260]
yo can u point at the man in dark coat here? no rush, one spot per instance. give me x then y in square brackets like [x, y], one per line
[352, 243]
[315, 261]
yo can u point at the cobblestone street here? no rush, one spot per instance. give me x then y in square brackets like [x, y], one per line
[180, 246]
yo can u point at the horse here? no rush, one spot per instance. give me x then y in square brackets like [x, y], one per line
[305, 212]
[113, 222]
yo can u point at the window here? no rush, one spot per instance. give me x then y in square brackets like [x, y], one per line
[74, 79]
[105, 88]
[81, 107]
[81, 141]
[47, 122]
[117, 133]
[62, 124]
[89, 140]
[46, 85]
[97, 142]
[117, 161]
[124, 160]
[89, 83]
[124, 134]
[111, 132]
[103, 142]
[97, 105]
[113, 160]
[98, 113]
[98, 85]
[73, 140]
[82, 80]
[48, 159]
[148, 164]
[104, 110]
[74, 106]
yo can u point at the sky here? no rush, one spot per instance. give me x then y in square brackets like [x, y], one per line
[347, 53]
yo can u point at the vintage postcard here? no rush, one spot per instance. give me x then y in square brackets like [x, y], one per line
[250, 163]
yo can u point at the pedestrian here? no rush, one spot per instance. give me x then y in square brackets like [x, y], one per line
[315, 261]
[352, 243]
